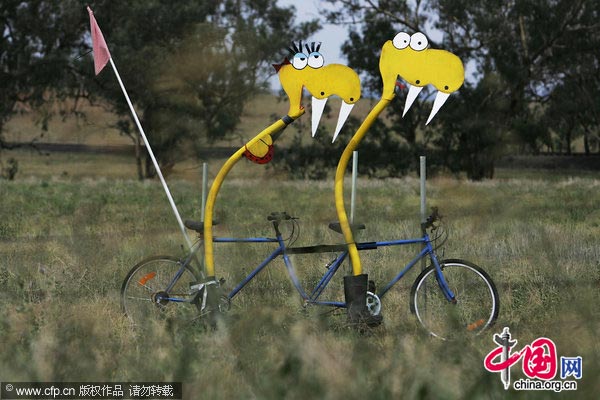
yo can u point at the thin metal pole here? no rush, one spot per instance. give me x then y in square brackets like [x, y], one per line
[353, 190]
[151, 153]
[204, 188]
[423, 176]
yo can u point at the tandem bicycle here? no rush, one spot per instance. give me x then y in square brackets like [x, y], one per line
[449, 298]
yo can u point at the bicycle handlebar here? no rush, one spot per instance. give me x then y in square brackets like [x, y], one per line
[280, 216]
[434, 217]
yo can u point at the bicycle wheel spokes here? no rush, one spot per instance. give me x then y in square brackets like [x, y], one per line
[144, 292]
[476, 306]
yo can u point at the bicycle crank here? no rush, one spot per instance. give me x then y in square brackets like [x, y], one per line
[373, 303]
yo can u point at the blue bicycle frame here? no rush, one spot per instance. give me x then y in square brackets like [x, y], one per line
[314, 296]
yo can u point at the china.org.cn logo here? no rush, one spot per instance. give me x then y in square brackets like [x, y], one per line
[539, 362]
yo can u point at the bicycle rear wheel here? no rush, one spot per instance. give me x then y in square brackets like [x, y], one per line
[144, 293]
[476, 307]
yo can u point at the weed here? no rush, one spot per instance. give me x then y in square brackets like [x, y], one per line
[66, 245]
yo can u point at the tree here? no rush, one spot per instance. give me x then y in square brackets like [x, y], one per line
[536, 46]
[530, 47]
[188, 66]
[573, 107]
[39, 41]
[470, 131]
[373, 23]
[319, 157]
[194, 71]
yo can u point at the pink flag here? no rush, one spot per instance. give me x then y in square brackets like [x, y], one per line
[101, 53]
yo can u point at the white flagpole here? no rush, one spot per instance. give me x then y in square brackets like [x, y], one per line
[158, 171]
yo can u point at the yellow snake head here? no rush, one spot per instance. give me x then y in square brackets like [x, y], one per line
[410, 58]
[306, 70]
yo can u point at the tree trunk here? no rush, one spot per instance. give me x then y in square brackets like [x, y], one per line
[568, 140]
[150, 170]
[491, 169]
[586, 140]
[138, 158]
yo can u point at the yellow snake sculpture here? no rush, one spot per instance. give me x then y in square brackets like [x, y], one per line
[406, 57]
[305, 69]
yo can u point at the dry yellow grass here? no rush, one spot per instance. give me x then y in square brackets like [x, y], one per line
[97, 127]
[66, 243]
[71, 226]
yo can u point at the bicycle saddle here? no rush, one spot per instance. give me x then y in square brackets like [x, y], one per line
[335, 226]
[197, 226]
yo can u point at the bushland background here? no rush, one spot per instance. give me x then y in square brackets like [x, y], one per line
[514, 169]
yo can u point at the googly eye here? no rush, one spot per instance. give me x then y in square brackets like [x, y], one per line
[418, 41]
[300, 60]
[315, 59]
[401, 40]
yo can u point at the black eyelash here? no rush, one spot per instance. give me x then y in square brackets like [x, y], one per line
[297, 48]
[314, 47]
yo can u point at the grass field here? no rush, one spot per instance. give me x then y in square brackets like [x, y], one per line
[97, 126]
[71, 227]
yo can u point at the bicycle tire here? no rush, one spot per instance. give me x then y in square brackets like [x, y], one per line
[477, 303]
[151, 276]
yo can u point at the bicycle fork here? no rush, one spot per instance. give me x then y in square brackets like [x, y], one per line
[439, 275]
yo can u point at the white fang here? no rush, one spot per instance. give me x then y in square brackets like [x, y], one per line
[413, 92]
[318, 105]
[439, 101]
[345, 110]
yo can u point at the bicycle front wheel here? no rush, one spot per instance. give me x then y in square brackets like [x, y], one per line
[475, 309]
[145, 292]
